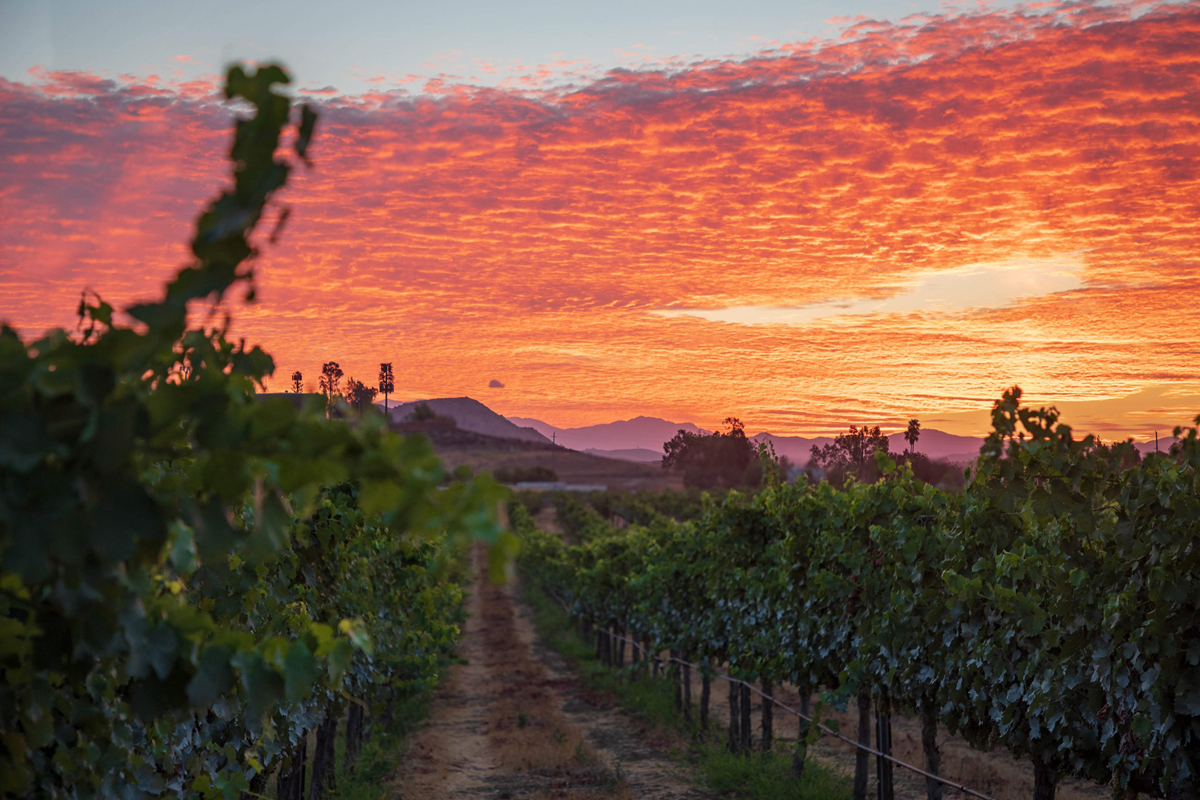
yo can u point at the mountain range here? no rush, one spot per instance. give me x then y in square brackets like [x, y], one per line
[642, 438]
[639, 433]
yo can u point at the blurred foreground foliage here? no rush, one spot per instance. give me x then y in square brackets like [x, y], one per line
[192, 579]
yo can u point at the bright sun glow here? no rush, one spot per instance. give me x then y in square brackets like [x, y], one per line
[975, 287]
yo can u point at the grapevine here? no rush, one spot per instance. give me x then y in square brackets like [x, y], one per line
[1050, 609]
[192, 578]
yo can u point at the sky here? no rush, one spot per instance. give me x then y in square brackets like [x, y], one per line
[805, 218]
[388, 45]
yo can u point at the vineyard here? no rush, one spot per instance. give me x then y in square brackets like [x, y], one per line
[1050, 609]
[193, 580]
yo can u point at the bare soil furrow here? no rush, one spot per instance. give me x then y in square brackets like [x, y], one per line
[514, 721]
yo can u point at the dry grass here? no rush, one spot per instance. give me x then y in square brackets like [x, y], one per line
[526, 729]
[527, 732]
[496, 728]
[995, 773]
[620, 793]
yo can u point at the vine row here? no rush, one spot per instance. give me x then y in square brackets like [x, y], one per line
[1050, 609]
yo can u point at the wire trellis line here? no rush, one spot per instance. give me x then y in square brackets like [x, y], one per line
[796, 712]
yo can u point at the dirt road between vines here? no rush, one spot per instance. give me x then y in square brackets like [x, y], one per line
[515, 722]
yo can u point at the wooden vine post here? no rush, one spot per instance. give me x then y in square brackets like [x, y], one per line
[929, 743]
[676, 680]
[862, 758]
[883, 743]
[747, 719]
[291, 779]
[355, 724]
[801, 751]
[324, 758]
[768, 716]
[734, 735]
[687, 691]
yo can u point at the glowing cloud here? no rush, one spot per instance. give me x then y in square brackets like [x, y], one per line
[972, 288]
[933, 209]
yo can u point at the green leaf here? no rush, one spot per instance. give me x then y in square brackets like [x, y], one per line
[262, 684]
[183, 552]
[376, 497]
[340, 658]
[214, 677]
[1141, 726]
[301, 670]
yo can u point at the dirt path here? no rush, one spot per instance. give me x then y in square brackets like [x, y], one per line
[607, 729]
[515, 722]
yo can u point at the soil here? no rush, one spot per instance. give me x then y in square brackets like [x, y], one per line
[514, 721]
[994, 773]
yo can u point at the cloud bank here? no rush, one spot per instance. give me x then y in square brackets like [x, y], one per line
[544, 232]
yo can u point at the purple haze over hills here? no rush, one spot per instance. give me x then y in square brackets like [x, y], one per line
[639, 433]
[642, 438]
[649, 433]
[470, 415]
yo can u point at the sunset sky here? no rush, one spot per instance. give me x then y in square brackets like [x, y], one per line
[803, 219]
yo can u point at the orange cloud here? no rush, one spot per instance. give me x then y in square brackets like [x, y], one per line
[542, 234]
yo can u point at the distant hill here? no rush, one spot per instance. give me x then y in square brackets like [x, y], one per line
[1163, 445]
[936, 444]
[647, 434]
[637, 454]
[472, 415]
[797, 448]
[641, 439]
[639, 433]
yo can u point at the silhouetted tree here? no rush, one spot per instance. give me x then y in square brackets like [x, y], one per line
[942, 474]
[913, 434]
[852, 452]
[720, 459]
[359, 395]
[422, 413]
[386, 384]
[297, 382]
[331, 381]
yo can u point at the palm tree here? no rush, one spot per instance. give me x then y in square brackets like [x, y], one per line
[913, 434]
[386, 384]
